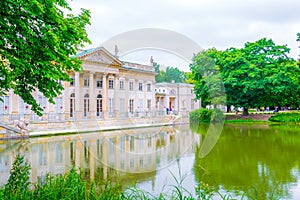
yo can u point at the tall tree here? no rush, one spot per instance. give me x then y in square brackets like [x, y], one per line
[37, 41]
[171, 74]
[207, 79]
[174, 74]
[259, 74]
[161, 75]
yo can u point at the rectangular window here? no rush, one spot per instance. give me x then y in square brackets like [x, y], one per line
[110, 84]
[4, 105]
[86, 82]
[131, 105]
[148, 87]
[131, 85]
[140, 86]
[131, 143]
[192, 103]
[149, 104]
[99, 83]
[110, 105]
[22, 106]
[72, 83]
[43, 102]
[121, 85]
[58, 104]
[58, 153]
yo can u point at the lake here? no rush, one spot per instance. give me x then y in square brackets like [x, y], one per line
[258, 161]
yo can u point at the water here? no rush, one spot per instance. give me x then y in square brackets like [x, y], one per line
[260, 161]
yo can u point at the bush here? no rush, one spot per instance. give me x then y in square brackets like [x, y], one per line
[289, 117]
[66, 186]
[205, 115]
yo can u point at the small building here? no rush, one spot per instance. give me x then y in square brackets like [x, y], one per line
[175, 97]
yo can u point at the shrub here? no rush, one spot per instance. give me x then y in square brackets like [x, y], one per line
[293, 117]
[205, 115]
[18, 182]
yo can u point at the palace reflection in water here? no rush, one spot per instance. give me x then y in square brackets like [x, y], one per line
[100, 154]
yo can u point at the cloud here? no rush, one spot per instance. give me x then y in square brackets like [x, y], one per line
[214, 23]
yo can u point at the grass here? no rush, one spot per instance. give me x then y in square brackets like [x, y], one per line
[72, 186]
[286, 117]
[244, 121]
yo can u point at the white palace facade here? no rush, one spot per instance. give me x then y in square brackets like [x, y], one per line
[105, 88]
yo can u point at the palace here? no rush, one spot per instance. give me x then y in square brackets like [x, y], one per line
[105, 88]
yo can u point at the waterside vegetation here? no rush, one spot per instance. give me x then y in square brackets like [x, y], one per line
[286, 117]
[204, 115]
[72, 186]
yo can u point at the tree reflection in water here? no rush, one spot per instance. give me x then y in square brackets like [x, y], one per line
[261, 161]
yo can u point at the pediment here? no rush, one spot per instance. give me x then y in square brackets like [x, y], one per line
[99, 55]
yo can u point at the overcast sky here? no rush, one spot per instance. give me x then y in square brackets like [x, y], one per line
[209, 23]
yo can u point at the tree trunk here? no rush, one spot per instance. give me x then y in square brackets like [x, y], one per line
[245, 111]
[227, 109]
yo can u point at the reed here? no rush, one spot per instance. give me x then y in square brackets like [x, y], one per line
[72, 186]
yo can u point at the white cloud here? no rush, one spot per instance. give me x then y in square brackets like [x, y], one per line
[210, 23]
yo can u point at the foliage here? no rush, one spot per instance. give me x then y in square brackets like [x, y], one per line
[259, 74]
[72, 186]
[204, 191]
[171, 74]
[287, 117]
[206, 115]
[18, 183]
[208, 82]
[174, 74]
[189, 77]
[37, 41]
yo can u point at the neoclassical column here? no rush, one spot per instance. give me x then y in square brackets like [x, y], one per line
[104, 95]
[116, 96]
[78, 109]
[126, 106]
[92, 113]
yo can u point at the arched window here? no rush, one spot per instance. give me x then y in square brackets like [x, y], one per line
[86, 105]
[99, 105]
[72, 105]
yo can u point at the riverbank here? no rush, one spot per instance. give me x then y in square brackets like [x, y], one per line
[289, 117]
[249, 118]
[44, 128]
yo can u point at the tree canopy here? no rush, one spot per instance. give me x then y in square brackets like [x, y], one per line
[207, 79]
[171, 74]
[37, 41]
[259, 74]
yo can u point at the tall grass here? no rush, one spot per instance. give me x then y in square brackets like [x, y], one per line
[72, 186]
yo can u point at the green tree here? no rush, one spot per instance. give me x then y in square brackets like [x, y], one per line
[259, 74]
[189, 77]
[161, 75]
[207, 79]
[171, 74]
[37, 41]
[174, 74]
